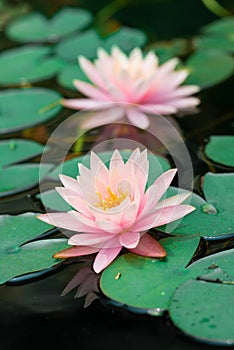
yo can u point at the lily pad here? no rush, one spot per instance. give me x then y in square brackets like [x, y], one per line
[88, 42]
[148, 284]
[18, 150]
[22, 177]
[213, 216]
[24, 108]
[220, 149]
[35, 27]
[223, 26]
[209, 67]
[18, 257]
[202, 310]
[28, 64]
[221, 43]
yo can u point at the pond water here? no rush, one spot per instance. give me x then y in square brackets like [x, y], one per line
[33, 312]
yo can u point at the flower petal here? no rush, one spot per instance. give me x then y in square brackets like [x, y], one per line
[91, 91]
[88, 239]
[137, 118]
[103, 117]
[91, 71]
[85, 103]
[129, 239]
[148, 246]
[105, 257]
[75, 251]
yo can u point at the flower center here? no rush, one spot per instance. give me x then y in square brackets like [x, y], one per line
[112, 199]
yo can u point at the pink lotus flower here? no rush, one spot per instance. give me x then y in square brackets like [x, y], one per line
[131, 87]
[113, 210]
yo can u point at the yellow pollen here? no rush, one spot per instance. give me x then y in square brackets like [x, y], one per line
[111, 200]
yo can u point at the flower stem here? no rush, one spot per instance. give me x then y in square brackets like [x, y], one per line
[216, 8]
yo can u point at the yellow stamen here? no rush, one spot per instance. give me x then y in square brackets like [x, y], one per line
[112, 199]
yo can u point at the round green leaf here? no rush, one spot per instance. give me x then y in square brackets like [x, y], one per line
[203, 310]
[85, 44]
[209, 67]
[213, 216]
[223, 26]
[35, 27]
[220, 149]
[27, 64]
[18, 150]
[23, 108]
[221, 43]
[146, 282]
[18, 258]
[22, 177]
[67, 75]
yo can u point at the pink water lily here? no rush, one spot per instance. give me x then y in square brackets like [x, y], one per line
[113, 209]
[131, 87]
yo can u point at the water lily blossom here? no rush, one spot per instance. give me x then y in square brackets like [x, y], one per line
[114, 210]
[132, 87]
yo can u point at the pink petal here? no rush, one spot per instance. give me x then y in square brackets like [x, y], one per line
[85, 103]
[105, 257]
[91, 72]
[129, 239]
[88, 239]
[148, 246]
[137, 118]
[75, 200]
[171, 201]
[158, 108]
[109, 226]
[129, 215]
[116, 160]
[162, 216]
[188, 102]
[77, 279]
[103, 117]
[69, 182]
[185, 90]
[91, 91]
[75, 251]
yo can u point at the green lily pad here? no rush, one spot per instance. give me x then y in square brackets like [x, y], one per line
[28, 64]
[203, 311]
[213, 216]
[24, 108]
[148, 284]
[67, 75]
[35, 27]
[18, 150]
[209, 67]
[220, 149]
[223, 26]
[22, 177]
[220, 43]
[88, 42]
[16, 257]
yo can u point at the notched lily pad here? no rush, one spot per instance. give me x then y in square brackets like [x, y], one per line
[28, 64]
[24, 108]
[220, 149]
[18, 150]
[203, 311]
[213, 216]
[35, 27]
[18, 257]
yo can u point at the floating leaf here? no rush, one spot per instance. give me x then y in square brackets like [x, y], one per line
[35, 27]
[18, 150]
[203, 310]
[220, 149]
[145, 282]
[223, 26]
[18, 258]
[22, 177]
[225, 44]
[24, 108]
[213, 216]
[209, 67]
[67, 75]
[28, 64]
[88, 42]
